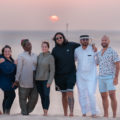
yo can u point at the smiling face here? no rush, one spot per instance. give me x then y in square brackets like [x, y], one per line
[45, 47]
[59, 39]
[7, 53]
[105, 41]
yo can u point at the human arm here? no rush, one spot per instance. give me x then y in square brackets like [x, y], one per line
[52, 71]
[117, 65]
[19, 70]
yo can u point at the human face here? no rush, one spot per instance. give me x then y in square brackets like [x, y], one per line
[28, 47]
[45, 48]
[7, 53]
[84, 42]
[105, 42]
[59, 39]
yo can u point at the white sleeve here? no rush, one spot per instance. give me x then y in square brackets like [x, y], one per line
[19, 67]
[75, 55]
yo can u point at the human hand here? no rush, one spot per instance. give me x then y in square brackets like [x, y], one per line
[16, 62]
[48, 85]
[16, 83]
[94, 47]
[2, 60]
[115, 82]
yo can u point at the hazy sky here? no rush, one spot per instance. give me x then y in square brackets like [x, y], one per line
[80, 14]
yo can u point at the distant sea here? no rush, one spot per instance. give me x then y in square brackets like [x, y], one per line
[13, 38]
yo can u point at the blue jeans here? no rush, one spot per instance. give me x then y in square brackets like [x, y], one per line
[44, 93]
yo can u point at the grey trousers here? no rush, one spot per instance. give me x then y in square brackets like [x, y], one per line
[28, 98]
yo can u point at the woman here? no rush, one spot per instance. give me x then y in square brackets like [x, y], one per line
[28, 95]
[7, 78]
[44, 75]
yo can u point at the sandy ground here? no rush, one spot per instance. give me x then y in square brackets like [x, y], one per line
[55, 110]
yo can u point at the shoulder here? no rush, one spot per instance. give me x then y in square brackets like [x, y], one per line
[74, 43]
[51, 56]
[21, 55]
[112, 50]
[77, 49]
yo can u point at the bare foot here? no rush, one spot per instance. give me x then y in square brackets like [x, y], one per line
[45, 112]
[71, 115]
[105, 115]
[65, 114]
[84, 115]
[0, 112]
[114, 116]
[93, 116]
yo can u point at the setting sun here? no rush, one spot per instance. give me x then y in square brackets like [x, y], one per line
[54, 18]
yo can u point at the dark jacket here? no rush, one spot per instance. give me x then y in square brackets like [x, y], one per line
[64, 58]
[7, 74]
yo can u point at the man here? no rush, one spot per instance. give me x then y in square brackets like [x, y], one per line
[65, 70]
[108, 61]
[25, 72]
[86, 76]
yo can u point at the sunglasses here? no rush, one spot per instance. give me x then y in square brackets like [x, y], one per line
[85, 39]
[57, 38]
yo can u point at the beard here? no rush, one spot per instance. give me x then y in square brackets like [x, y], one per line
[85, 44]
[104, 45]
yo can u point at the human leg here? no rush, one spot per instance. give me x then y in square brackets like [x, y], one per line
[9, 97]
[46, 100]
[112, 95]
[23, 96]
[65, 103]
[105, 103]
[70, 102]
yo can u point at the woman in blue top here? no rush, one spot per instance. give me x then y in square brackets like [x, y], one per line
[7, 78]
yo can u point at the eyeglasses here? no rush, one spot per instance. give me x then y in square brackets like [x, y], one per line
[57, 38]
[85, 39]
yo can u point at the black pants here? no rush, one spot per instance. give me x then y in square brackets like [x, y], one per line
[44, 93]
[9, 97]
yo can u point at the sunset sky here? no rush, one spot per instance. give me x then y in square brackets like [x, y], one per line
[79, 14]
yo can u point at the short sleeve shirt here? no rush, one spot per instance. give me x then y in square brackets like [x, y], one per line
[106, 62]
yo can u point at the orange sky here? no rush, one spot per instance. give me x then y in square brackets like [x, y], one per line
[80, 14]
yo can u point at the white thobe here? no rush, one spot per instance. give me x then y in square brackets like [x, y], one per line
[86, 79]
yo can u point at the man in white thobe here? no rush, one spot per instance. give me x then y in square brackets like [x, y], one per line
[86, 76]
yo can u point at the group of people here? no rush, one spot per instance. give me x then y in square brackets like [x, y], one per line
[34, 74]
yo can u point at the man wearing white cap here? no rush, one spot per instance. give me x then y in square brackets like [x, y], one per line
[86, 76]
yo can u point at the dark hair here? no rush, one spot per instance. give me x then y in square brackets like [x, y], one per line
[3, 49]
[47, 43]
[64, 38]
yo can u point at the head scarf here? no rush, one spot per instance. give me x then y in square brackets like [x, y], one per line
[23, 42]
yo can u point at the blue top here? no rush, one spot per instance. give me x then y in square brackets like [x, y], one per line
[7, 74]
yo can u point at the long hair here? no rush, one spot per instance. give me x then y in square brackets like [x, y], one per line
[64, 38]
